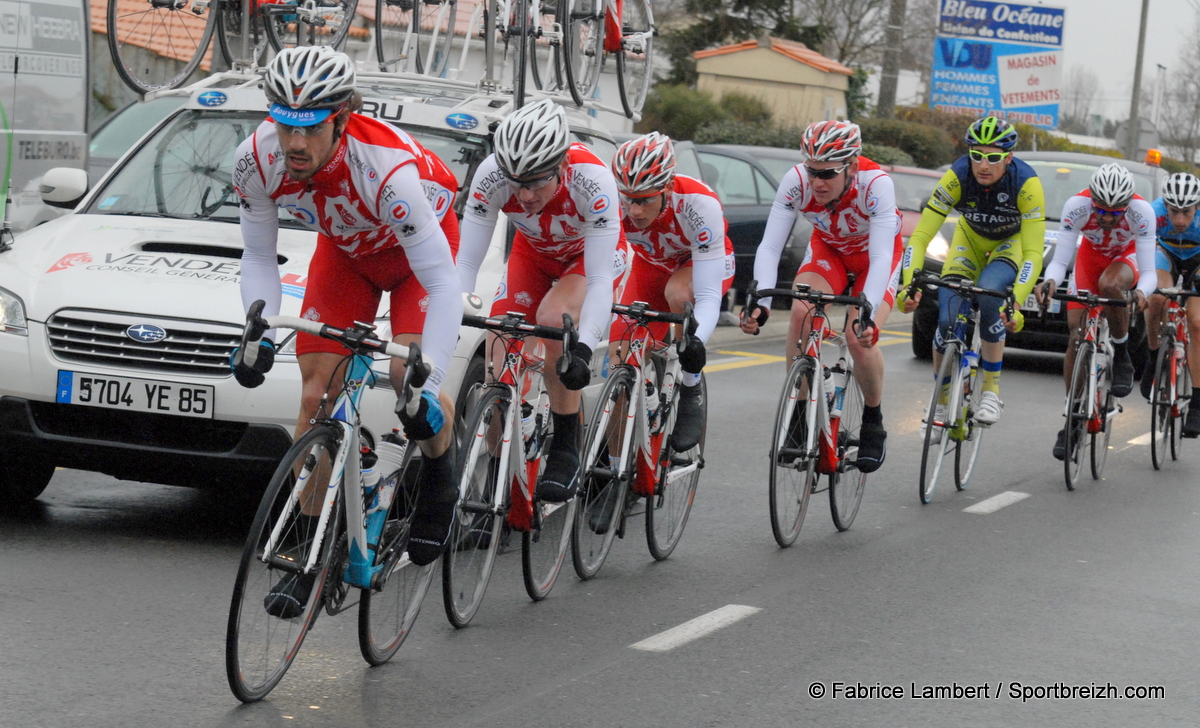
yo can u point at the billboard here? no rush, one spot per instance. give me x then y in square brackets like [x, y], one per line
[999, 58]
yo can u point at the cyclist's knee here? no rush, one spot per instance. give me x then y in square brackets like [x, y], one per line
[991, 325]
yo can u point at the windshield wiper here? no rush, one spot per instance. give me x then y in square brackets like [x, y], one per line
[145, 214]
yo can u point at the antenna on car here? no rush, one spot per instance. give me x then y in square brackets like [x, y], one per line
[6, 235]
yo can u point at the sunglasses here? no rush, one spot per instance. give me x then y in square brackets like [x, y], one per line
[532, 184]
[643, 201]
[1106, 211]
[990, 157]
[287, 130]
[825, 173]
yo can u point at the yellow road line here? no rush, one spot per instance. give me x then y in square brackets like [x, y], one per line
[753, 360]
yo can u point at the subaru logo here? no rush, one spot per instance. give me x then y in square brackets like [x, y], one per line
[146, 333]
[462, 121]
[211, 98]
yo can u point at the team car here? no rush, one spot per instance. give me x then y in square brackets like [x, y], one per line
[117, 321]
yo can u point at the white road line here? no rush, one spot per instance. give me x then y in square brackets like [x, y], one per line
[996, 502]
[1141, 439]
[695, 628]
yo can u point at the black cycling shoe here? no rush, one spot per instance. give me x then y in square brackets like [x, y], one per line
[435, 510]
[560, 480]
[1122, 373]
[1191, 423]
[1147, 383]
[689, 424]
[1060, 445]
[287, 598]
[872, 447]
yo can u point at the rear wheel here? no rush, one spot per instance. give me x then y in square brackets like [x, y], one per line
[1106, 407]
[1183, 390]
[933, 454]
[545, 52]
[308, 23]
[1161, 421]
[544, 546]
[793, 454]
[636, 54]
[583, 46]
[1076, 426]
[602, 484]
[846, 485]
[242, 45]
[157, 45]
[265, 629]
[678, 474]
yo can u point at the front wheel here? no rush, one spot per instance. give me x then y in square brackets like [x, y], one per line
[1161, 421]
[277, 595]
[937, 431]
[1183, 383]
[1077, 414]
[635, 57]
[544, 545]
[582, 46]
[321, 22]
[388, 610]
[793, 454]
[678, 474]
[969, 436]
[158, 45]
[847, 483]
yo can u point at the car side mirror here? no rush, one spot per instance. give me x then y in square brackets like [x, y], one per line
[64, 187]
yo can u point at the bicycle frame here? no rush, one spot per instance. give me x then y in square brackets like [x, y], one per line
[1095, 331]
[824, 406]
[1176, 324]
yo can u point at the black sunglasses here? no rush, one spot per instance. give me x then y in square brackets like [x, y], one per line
[825, 173]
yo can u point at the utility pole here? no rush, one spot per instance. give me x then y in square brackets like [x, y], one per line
[891, 60]
[1160, 93]
[1134, 128]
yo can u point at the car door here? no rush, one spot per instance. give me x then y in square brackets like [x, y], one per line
[746, 194]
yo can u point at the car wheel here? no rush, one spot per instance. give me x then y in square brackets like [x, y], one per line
[22, 480]
[924, 325]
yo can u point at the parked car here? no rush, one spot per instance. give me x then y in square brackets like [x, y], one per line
[155, 246]
[913, 185]
[1063, 174]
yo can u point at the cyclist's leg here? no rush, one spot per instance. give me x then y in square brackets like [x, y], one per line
[1191, 425]
[822, 270]
[1166, 266]
[999, 274]
[1115, 281]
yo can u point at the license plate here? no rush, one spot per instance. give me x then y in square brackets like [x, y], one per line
[138, 395]
[1031, 304]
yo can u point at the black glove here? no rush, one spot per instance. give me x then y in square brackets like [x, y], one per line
[251, 375]
[693, 356]
[427, 422]
[579, 370]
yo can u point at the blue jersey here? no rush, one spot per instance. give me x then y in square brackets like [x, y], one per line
[1183, 245]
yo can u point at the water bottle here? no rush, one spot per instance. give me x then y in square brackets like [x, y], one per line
[839, 389]
[970, 360]
[391, 453]
[829, 388]
[370, 475]
[651, 402]
[527, 423]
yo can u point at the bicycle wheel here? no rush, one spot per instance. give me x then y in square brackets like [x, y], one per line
[1183, 383]
[259, 646]
[545, 50]
[793, 454]
[387, 611]
[582, 46]
[1108, 408]
[635, 56]
[602, 489]
[544, 547]
[668, 509]
[846, 485]
[1160, 404]
[969, 437]
[1077, 413]
[933, 454]
[308, 23]
[157, 45]
[475, 535]
[242, 46]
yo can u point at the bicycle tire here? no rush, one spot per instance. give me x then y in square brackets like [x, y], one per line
[393, 35]
[479, 515]
[388, 610]
[636, 55]
[286, 28]
[522, 47]
[603, 492]
[260, 647]
[1160, 403]
[668, 509]
[544, 547]
[582, 46]
[846, 486]
[1183, 383]
[1099, 448]
[931, 471]
[966, 449]
[230, 36]
[789, 496]
[546, 68]
[157, 46]
[1076, 425]
[431, 26]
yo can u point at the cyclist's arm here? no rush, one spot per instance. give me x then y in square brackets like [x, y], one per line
[260, 238]
[945, 196]
[1074, 215]
[1031, 203]
[784, 210]
[602, 231]
[487, 193]
[703, 223]
[707, 277]
[1141, 221]
[883, 228]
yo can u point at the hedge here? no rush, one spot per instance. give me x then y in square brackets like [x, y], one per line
[887, 155]
[928, 146]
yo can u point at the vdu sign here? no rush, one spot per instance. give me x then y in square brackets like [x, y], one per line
[1000, 59]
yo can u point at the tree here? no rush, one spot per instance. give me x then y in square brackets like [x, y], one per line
[1080, 94]
[1180, 119]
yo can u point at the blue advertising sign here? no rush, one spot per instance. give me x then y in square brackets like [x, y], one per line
[999, 58]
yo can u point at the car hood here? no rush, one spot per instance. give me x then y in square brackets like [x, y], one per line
[187, 269]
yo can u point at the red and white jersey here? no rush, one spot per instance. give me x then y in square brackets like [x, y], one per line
[586, 202]
[690, 227]
[356, 198]
[1079, 226]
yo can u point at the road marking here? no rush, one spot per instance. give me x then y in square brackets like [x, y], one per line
[694, 629]
[996, 502]
[750, 360]
[905, 334]
[1142, 439]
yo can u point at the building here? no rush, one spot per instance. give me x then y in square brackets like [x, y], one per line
[798, 84]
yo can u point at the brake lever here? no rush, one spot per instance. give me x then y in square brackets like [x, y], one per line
[415, 374]
[689, 327]
[256, 326]
[570, 338]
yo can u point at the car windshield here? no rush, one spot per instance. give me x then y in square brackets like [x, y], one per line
[124, 129]
[1062, 180]
[186, 170]
[912, 190]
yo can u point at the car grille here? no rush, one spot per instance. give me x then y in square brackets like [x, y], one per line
[190, 347]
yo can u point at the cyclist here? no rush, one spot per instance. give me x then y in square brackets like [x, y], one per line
[1118, 243]
[562, 200]
[997, 243]
[852, 204]
[672, 223]
[373, 195]
[1176, 256]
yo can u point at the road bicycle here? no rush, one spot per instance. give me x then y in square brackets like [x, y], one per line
[359, 541]
[415, 36]
[158, 44]
[1171, 391]
[1090, 406]
[506, 439]
[950, 419]
[596, 30]
[627, 453]
[818, 419]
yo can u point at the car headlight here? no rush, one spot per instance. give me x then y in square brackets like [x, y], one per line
[12, 314]
[288, 347]
[938, 247]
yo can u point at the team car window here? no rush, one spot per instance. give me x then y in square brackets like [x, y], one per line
[734, 182]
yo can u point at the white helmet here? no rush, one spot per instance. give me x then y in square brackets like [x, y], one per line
[1112, 186]
[532, 140]
[1181, 190]
[310, 77]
